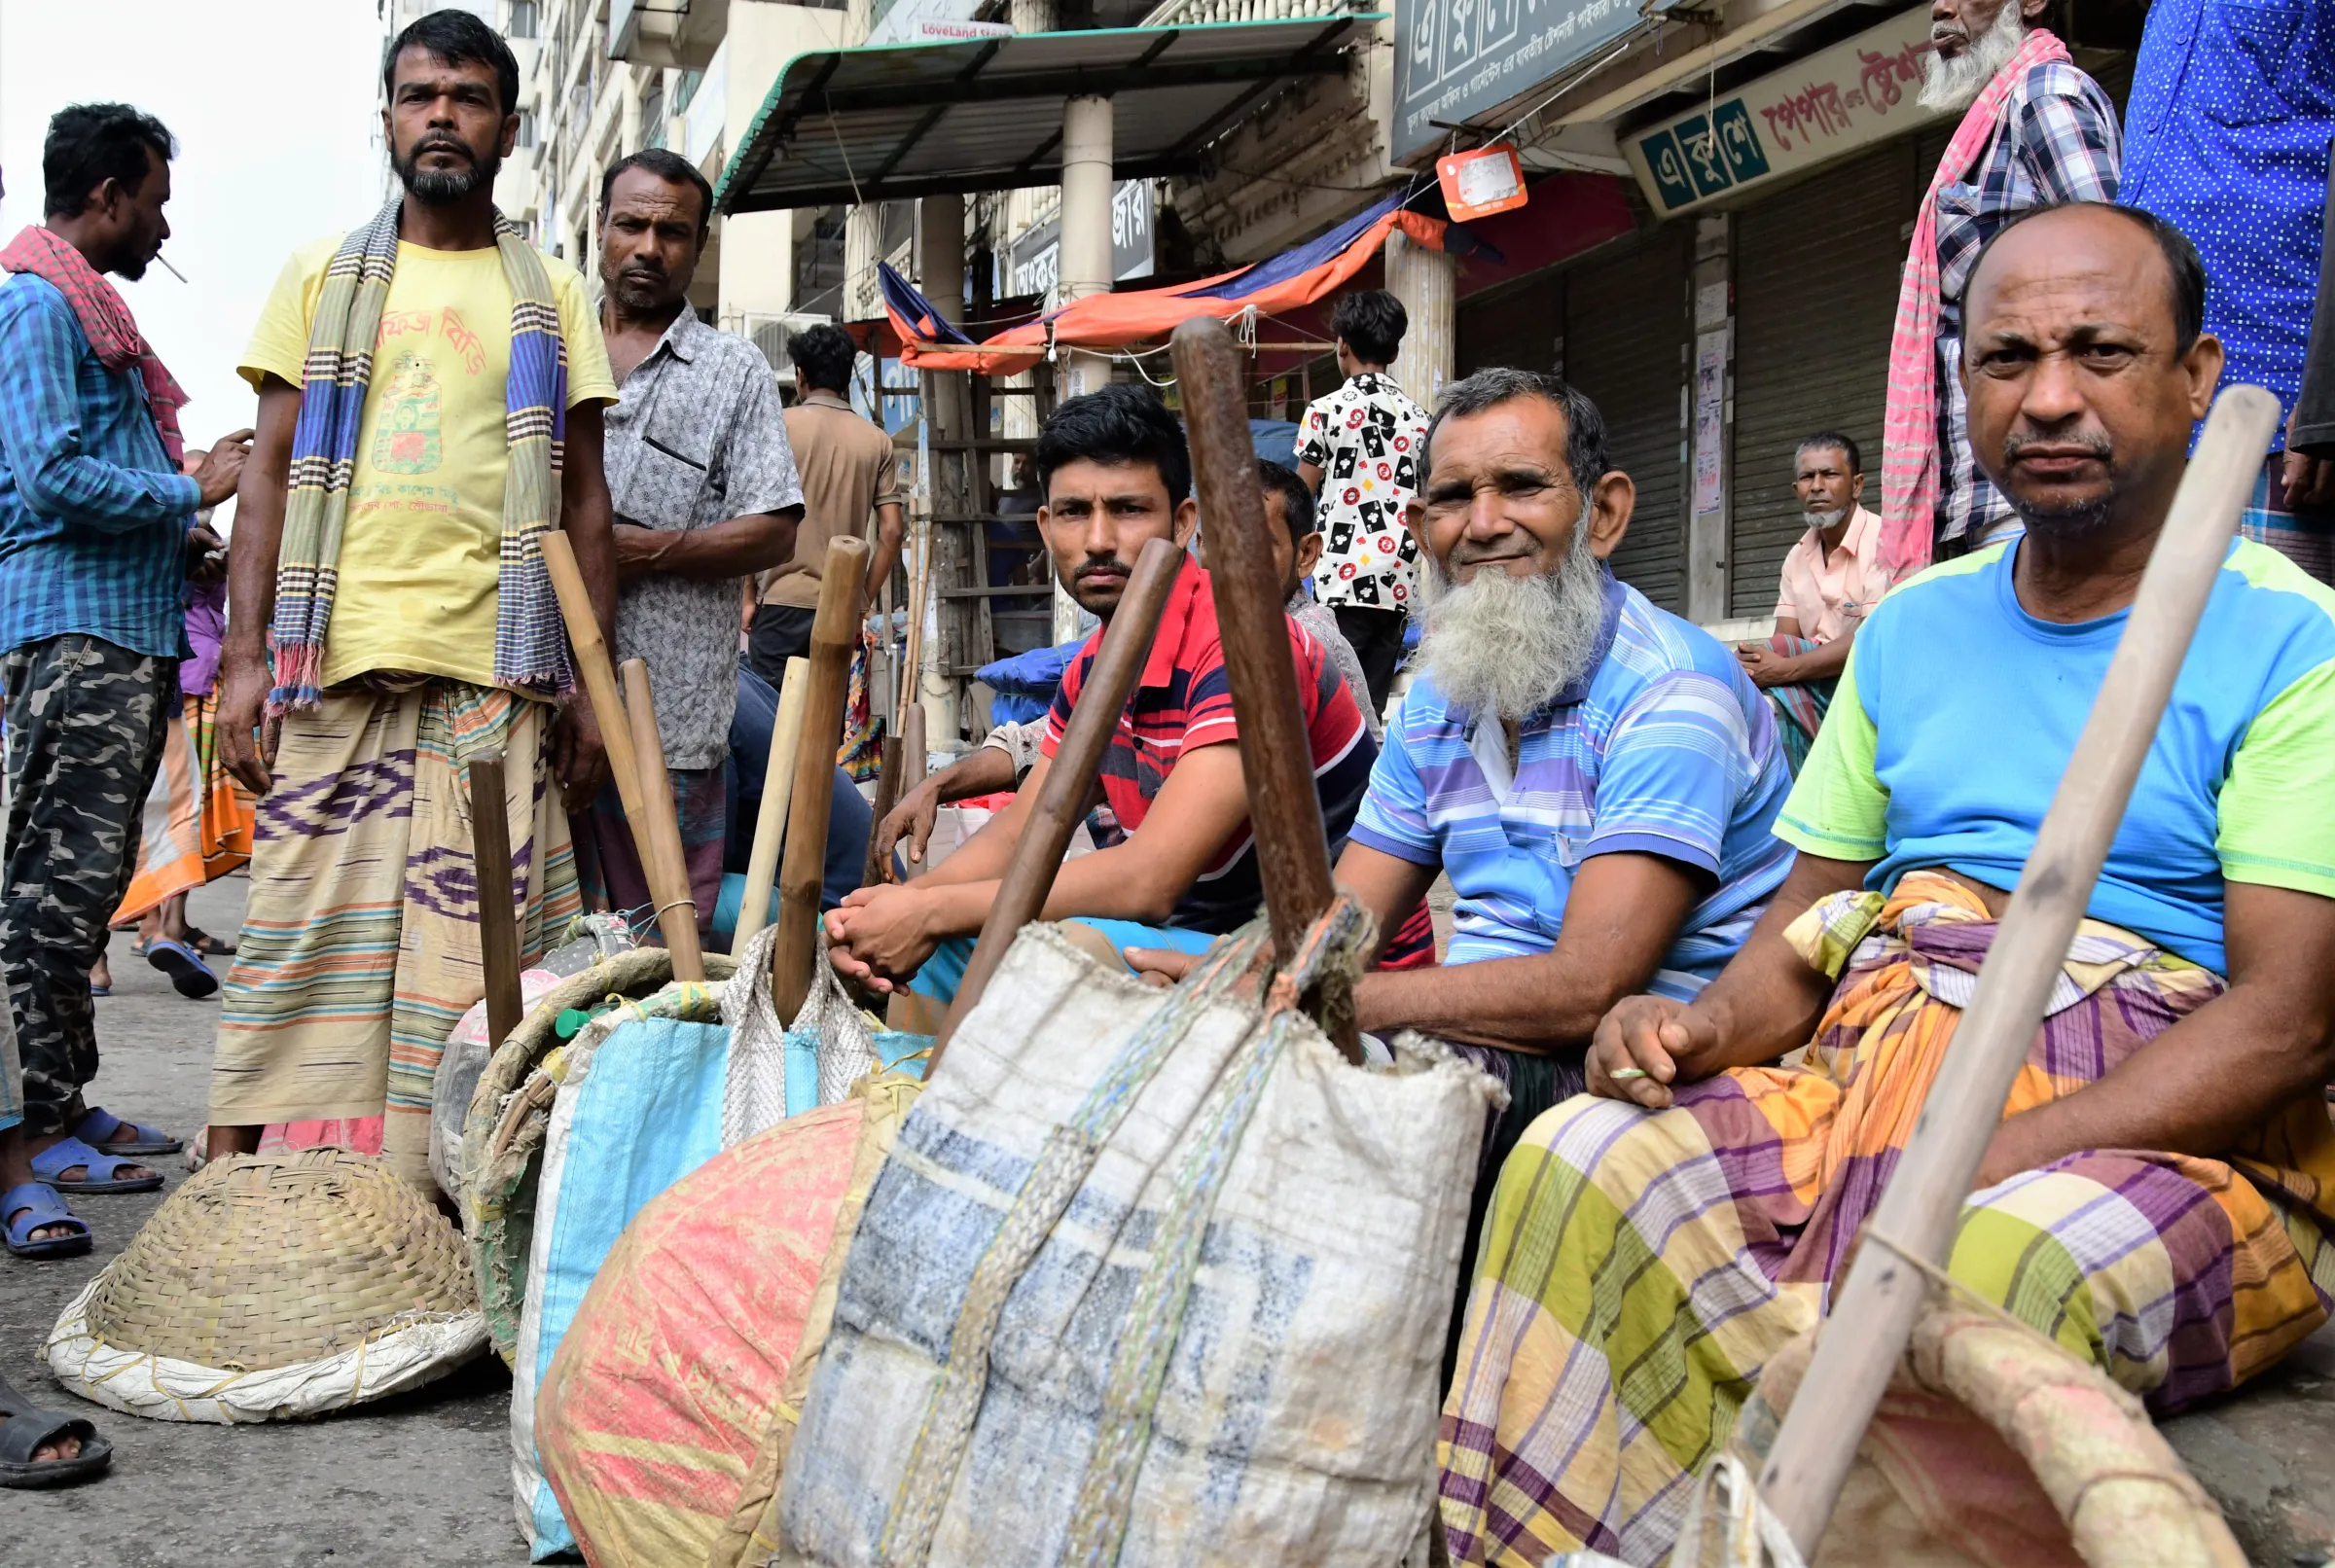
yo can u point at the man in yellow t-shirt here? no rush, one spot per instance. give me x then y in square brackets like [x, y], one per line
[393, 657]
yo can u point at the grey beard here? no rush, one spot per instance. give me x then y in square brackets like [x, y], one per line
[436, 188]
[1499, 646]
[1821, 520]
[1955, 84]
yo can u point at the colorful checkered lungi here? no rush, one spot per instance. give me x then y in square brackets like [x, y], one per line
[1640, 1267]
[360, 946]
[1799, 709]
[2306, 538]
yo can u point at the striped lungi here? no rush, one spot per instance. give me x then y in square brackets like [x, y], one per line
[1639, 1266]
[1799, 709]
[360, 945]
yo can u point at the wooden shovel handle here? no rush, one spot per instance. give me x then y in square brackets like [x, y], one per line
[661, 858]
[498, 916]
[1874, 1312]
[1293, 852]
[834, 633]
[778, 790]
[598, 674]
[1062, 802]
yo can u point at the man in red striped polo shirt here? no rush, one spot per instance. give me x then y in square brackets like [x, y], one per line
[1116, 476]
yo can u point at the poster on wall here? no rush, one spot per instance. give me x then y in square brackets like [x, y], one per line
[1837, 101]
[1454, 60]
[1711, 421]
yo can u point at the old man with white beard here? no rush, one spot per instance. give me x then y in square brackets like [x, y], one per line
[1596, 776]
[2036, 132]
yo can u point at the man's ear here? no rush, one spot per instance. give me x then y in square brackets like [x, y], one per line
[1187, 519]
[1856, 489]
[1610, 504]
[2201, 365]
[1309, 554]
[510, 136]
[2031, 12]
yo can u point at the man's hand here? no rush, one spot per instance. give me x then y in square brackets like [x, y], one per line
[1765, 665]
[1634, 1053]
[639, 550]
[2310, 480]
[879, 936]
[578, 756]
[914, 817]
[206, 554]
[248, 750]
[1162, 966]
[221, 467]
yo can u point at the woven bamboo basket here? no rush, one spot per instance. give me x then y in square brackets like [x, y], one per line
[274, 1284]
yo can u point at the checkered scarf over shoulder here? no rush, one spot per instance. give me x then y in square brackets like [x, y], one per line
[531, 645]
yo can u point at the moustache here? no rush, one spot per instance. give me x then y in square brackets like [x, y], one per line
[456, 147]
[1100, 571]
[2091, 445]
[641, 274]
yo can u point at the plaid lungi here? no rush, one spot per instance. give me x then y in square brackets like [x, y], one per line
[2306, 538]
[1640, 1267]
[1799, 709]
[360, 945]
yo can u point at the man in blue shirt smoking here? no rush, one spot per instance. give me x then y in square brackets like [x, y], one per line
[96, 535]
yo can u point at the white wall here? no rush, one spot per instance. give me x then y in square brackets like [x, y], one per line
[757, 261]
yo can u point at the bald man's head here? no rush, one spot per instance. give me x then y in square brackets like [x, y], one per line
[2086, 366]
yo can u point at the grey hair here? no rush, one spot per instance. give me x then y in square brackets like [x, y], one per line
[1584, 453]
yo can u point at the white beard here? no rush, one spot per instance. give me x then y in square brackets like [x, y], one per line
[1500, 646]
[1821, 520]
[1955, 84]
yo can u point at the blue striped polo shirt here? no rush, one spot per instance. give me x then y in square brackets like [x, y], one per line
[1665, 748]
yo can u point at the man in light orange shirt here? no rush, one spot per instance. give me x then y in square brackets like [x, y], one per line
[1832, 579]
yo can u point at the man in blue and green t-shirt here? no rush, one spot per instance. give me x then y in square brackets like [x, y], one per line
[2160, 1195]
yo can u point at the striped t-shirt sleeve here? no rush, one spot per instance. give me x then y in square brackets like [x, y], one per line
[1393, 815]
[1065, 698]
[2275, 827]
[1672, 771]
[1838, 808]
[1208, 718]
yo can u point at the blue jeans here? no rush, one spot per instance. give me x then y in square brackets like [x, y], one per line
[945, 970]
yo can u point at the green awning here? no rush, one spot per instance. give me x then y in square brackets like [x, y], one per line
[895, 121]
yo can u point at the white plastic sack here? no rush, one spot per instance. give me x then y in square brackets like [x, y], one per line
[1016, 1373]
[777, 1071]
[164, 1389]
[466, 1057]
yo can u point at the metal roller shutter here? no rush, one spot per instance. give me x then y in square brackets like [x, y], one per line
[1625, 345]
[1815, 300]
[1516, 328]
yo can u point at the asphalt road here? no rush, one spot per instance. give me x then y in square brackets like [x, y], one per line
[412, 1482]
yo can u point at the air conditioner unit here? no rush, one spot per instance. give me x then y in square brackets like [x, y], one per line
[772, 335]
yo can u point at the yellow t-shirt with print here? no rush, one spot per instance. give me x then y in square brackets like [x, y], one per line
[420, 554]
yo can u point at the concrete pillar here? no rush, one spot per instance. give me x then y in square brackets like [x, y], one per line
[1710, 429]
[1086, 224]
[1032, 16]
[1426, 281]
[947, 397]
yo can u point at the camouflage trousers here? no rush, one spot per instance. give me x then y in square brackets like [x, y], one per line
[86, 725]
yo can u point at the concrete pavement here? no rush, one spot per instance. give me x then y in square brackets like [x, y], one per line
[419, 1481]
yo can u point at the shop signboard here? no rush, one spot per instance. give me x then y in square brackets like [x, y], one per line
[1454, 60]
[1034, 257]
[1837, 101]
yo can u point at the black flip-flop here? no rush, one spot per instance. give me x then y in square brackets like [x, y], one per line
[191, 976]
[28, 1427]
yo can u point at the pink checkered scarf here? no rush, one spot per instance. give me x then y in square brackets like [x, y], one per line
[1909, 457]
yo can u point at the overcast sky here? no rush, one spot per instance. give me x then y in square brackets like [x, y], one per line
[274, 103]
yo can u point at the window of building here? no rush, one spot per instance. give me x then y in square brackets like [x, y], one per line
[652, 116]
[526, 127]
[522, 21]
[685, 90]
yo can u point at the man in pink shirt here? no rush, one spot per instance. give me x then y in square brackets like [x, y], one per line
[1832, 579]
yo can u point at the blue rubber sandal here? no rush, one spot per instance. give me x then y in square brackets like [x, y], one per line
[109, 1134]
[99, 1179]
[33, 1208]
[191, 976]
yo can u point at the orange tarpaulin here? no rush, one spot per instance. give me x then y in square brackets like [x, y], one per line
[1106, 321]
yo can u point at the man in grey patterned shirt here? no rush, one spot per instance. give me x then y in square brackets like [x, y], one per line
[706, 495]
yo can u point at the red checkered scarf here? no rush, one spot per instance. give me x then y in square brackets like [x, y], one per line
[105, 319]
[1909, 456]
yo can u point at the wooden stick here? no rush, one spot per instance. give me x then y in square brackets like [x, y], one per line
[778, 788]
[911, 693]
[498, 915]
[1293, 852]
[1922, 1204]
[1062, 802]
[598, 674]
[890, 759]
[834, 630]
[664, 861]
[916, 754]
